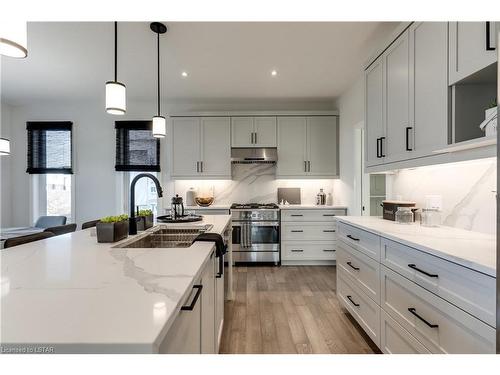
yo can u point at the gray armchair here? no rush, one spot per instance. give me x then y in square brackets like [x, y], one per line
[44, 222]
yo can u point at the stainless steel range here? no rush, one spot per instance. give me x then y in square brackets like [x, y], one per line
[256, 232]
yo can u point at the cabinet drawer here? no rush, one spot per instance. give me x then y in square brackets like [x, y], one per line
[311, 215]
[394, 339]
[436, 323]
[362, 268]
[298, 250]
[362, 308]
[366, 242]
[472, 291]
[308, 231]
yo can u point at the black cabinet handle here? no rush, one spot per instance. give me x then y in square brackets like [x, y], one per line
[297, 250]
[408, 128]
[378, 147]
[414, 312]
[296, 215]
[328, 215]
[488, 41]
[329, 250]
[296, 231]
[195, 299]
[329, 231]
[413, 266]
[353, 267]
[305, 166]
[352, 238]
[354, 303]
[382, 139]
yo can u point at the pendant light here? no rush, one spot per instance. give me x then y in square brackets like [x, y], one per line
[13, 39]
[4, 146]
[116, 101]
[159, 122]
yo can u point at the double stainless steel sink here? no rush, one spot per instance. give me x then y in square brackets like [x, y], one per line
[163, 236]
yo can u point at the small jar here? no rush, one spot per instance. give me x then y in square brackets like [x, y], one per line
[404, 215]
[430, 217]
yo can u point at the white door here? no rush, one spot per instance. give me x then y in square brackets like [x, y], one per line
[469, 48]
[322, 145]
[374, 114]
[186, 156]
[216, 146]
[242, 132]
[208, 309]
[397, 85]
[265, 131]
[291, 146]
[429, 87]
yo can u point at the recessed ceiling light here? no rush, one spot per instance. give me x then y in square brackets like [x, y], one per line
[184, 74]
[274, 72]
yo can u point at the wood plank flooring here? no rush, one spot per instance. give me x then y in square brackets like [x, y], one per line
[288, 310]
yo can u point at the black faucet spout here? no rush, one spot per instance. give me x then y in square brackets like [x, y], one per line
[132, 226]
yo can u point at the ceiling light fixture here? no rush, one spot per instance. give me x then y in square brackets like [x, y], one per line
[13, 39]
[184, 74]
[4, 146]
[159, 122]
[116, 97]
[274, 73]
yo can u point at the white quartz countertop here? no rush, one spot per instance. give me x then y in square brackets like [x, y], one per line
[76, 295]
[310, 207]
[212, 207]
[470, 249]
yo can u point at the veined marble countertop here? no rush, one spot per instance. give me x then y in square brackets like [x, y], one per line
[76, 295]
[310, 207]
[470, 249]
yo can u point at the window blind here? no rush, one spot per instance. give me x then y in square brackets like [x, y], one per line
[49, 147]
[136, 148]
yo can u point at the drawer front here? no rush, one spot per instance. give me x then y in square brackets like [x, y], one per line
[362, 308]
[298, 250]
[366, 242]
[311, 215]
[308, 232]
[472, 291]
[394, 339]
[362, 268]
[436, 323]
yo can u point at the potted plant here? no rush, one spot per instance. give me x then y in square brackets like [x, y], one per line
[144, 219]
[112, 228]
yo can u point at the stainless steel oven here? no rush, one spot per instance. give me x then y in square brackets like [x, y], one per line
[256, 233]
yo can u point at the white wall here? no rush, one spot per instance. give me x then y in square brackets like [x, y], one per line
[5, 170]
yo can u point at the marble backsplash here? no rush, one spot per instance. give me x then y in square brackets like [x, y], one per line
[254, 183]
[468, 192]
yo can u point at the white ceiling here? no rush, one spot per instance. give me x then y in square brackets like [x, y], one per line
[224, 60]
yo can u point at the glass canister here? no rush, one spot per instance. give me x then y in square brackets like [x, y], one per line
[430, 217]
[404, 215]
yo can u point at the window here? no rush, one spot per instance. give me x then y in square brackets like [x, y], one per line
[145, 192]
[136, 148]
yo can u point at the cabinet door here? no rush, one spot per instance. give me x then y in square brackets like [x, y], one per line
[216, 147]
[397, 86]
[208, 308]
[322, 145]
[469, 52]
[429, 94]
[291, 146]
[185, 146]
[265, 131]
[242, 129]
[374, 111]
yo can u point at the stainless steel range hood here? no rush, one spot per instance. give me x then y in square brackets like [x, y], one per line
[253, 155]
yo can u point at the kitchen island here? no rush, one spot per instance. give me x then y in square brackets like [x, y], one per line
[70, 294]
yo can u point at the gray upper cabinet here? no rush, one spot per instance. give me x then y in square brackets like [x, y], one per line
[201, 147]
[257, 131]
[472, 48]
[307, 146]
[374, 112]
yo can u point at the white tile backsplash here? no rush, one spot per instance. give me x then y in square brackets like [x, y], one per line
[468, 192]
[255, 183]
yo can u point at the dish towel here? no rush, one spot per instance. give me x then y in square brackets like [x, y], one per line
[220, 248]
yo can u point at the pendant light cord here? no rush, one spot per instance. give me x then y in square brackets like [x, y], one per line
[158, 66]
[116, 51]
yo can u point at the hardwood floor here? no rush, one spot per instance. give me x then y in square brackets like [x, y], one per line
[289, 310]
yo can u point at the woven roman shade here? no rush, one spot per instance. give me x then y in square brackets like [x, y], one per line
[136, 148]
[49, 147]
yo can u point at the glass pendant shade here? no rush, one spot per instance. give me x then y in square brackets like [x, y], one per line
[4, 146]
[116, 103]
[13, 39]
[159, 127]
